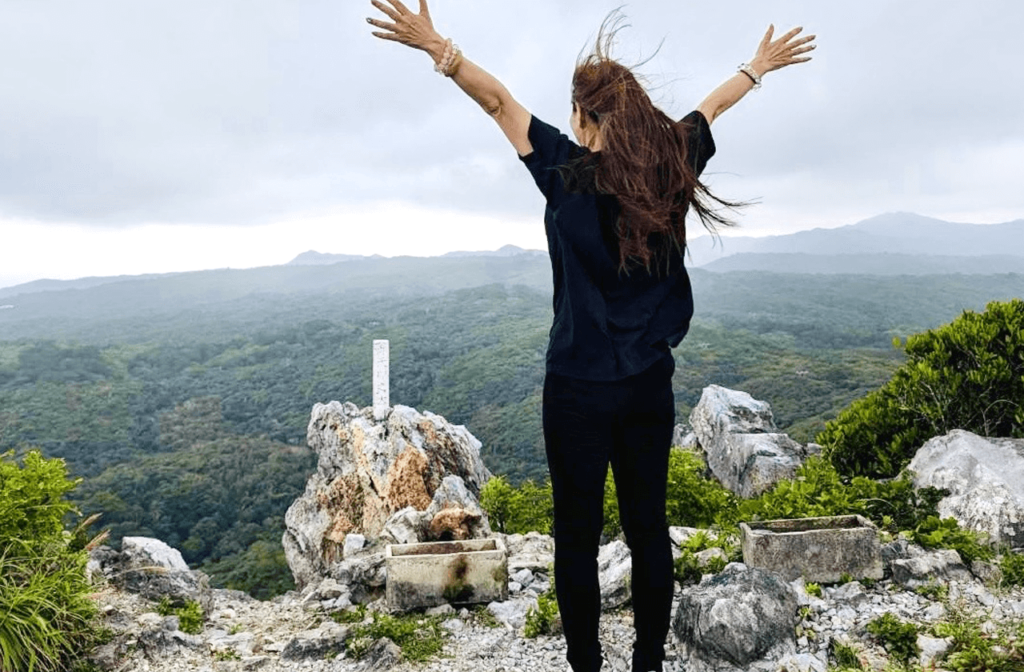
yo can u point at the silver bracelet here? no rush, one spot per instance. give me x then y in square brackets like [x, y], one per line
[749, 72]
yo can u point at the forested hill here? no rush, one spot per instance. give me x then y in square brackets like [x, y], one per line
[183, 400]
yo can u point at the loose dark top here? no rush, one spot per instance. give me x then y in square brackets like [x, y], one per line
[608, 325]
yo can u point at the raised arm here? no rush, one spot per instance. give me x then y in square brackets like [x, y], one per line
[417, 31]
[770, 56]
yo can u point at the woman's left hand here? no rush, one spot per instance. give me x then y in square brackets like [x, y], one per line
[414, 30]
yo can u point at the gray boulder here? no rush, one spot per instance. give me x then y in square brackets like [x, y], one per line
[736, 617]
[985, 479]
[615, 572]
[154, 570]
[738, 435]
[367, 471]
[942, 565]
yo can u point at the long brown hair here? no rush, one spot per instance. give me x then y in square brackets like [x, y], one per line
[642, 160]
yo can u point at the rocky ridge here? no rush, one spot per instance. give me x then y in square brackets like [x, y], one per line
[742, 618]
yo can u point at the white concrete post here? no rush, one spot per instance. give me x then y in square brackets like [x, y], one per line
[381, 379]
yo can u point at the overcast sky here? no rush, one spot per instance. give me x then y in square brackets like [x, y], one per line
[138, 136]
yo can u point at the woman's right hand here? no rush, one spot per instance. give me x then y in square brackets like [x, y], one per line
[413, 30]
[773, 55]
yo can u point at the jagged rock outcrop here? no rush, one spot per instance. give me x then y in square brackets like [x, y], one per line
[985, 479]
[739, 437]
[413, 474]
[735, 618]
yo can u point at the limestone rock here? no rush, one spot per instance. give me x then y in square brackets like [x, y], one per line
[941, 565]
[985, 478]
[147, 552]
[683, 436]
[407, 526]
[512, 613]
[154, 570]
[736, 617]
[368, 470]
[614, 572]
[739, 438]
[329, 638]
[383, 655]
[533, 551]
[455, 513]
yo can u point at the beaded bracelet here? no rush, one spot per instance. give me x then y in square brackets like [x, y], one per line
[456, 62]
[446, 57]
[750, 72]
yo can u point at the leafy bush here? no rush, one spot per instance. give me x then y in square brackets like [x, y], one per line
[46, 616]
[687, 567]
[968, 374]
[419, 637]
[974, 651]
[898, 638]
[190, 616]
[1012, 565]
[520, 510]
[539, 620]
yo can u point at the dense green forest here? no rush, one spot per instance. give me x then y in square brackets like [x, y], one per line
[186, 414]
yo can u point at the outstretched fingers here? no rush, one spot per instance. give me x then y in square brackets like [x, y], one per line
[392, 14]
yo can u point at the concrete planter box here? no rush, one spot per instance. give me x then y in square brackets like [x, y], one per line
[819, 549]
[456, 572]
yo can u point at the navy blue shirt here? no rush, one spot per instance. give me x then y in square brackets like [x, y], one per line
[608, 325]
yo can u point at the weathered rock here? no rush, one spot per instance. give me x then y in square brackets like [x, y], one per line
[364, 576]
[455, 513]
[146, 552]
[513, 612]
[315, 644]
[683, 436]
[383, 655]
[739, 438]
[367, 470]
[932, 649]
[354, 543]
[985, 478]
[408, 526]
[154, 570]
[941, 565]
[533, 551]
[987, 572]
[615, 571]
[736, 617]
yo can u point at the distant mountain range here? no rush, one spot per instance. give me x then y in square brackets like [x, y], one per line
[889, 244]
[313, 258]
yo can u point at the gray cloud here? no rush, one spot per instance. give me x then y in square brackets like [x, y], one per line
[120, 112]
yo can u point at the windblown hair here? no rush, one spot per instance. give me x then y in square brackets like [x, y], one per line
[642, 160]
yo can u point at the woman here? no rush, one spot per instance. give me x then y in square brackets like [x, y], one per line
[615, 223]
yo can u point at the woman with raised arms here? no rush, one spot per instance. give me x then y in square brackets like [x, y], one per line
[617, 201]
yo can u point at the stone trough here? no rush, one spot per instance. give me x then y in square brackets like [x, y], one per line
[822, 550]
[453, 572]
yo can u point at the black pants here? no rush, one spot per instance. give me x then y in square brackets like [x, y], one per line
[626, 423]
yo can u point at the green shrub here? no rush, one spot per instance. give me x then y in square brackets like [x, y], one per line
[813, 589]
[687, 568]
[539, 620]
[47, 619]
[846, 656]
[968, 374]
[419, 637]
[975, 651]
[512, 510]
[898, 638]
[190, 615]
[1012, 565]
